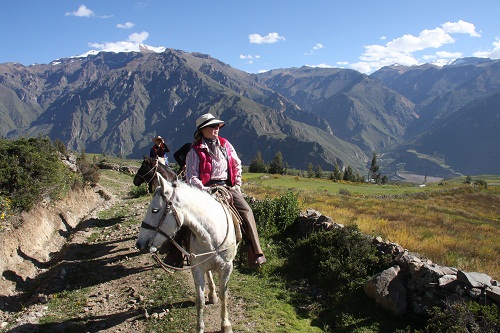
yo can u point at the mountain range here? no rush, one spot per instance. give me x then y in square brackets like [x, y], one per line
[438, 121]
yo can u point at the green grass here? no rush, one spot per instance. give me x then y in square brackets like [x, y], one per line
[325, 186]
[453, 224]
[65, 305]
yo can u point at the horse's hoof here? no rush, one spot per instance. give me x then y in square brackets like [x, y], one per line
[213, 299]
[227, 329]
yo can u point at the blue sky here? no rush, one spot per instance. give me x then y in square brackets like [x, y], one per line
[256, 35]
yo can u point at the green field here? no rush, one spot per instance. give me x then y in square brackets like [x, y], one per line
[450, 223]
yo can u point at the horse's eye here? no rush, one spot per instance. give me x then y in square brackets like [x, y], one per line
[155, 210]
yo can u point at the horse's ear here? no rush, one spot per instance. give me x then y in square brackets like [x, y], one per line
[159, 190]
[144, 156]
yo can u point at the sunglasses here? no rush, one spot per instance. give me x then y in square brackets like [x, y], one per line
[214, 126]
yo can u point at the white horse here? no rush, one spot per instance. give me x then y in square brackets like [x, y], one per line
[212, 244]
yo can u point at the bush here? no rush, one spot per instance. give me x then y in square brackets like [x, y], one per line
[337, 260]
[89, 171]
[139, 191]
[461, 317]
[31, 171]
[273, 216]
[481, 183]
[5, 207]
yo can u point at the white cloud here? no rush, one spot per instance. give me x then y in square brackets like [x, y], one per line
[138, 37]
[249, 57]
[82, 11]
[383, 38]
[460, 27]
[320, 66]
[493, 54]
[400, 50]
[450, 55]
[271, 38]
[126, 25]
[318, 46]
[131, 44]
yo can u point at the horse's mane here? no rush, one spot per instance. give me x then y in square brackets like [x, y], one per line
[197, 200]
[164, 170]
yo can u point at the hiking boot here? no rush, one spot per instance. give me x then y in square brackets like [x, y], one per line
[260, 260]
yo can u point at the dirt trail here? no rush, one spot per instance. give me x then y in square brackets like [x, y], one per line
[108, 276]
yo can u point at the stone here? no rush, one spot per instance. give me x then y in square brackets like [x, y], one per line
[447, 281]
[493, 293]
[388, 290]
[474, 279]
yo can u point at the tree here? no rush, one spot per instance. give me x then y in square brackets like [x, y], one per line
[337, 174]
[319, 172]
[60, 146]
[257, 164]
[374, 169]
[276, 165]
[310, 172]
[349, 174]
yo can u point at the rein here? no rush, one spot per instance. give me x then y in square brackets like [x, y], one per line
[153, 171]
[170, 209]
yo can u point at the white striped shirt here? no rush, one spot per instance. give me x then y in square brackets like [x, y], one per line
[219, 164]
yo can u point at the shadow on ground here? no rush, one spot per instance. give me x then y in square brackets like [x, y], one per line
[76, 266]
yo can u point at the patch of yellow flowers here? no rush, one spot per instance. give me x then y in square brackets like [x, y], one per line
[5, 207]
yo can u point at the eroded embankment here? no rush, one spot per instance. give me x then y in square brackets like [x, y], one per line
[43, 231]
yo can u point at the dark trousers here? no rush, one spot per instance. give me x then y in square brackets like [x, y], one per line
[249, 225]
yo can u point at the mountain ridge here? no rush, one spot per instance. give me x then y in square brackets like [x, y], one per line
[114, 103]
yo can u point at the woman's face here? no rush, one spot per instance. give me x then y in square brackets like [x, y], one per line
[158, 143]
[211, 132]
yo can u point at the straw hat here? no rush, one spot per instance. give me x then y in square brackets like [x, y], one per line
[158, 138]
[206, 120]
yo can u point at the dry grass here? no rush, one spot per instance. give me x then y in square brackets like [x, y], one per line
[456, 227]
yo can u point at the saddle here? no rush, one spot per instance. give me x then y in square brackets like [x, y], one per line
[225, 198]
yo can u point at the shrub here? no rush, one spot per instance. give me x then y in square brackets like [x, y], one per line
[139, 191]
[481, 183]
[31, 171]
[339, 259]
[344, 191]
[464, 317]
[89, 171]
[273, 216]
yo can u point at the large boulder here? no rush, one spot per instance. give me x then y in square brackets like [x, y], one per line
[388, 290]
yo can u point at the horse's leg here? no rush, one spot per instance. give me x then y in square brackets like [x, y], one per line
[224, 275]
[212, 295]
[199, 284]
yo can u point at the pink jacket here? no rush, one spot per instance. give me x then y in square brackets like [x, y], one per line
[205, 165]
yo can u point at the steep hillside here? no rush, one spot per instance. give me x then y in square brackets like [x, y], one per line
[467, 140]
[116, 103]
[440, 91]
[359, 109]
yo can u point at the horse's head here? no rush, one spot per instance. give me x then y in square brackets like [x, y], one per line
[161, 222]
[166, 172]
[146, 172]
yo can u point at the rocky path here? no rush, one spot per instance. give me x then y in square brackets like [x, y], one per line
[99, 282]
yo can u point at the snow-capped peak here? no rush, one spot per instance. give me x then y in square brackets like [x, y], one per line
[124, 47]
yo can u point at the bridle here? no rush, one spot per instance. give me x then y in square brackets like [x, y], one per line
[152, 171]
[170, 209]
